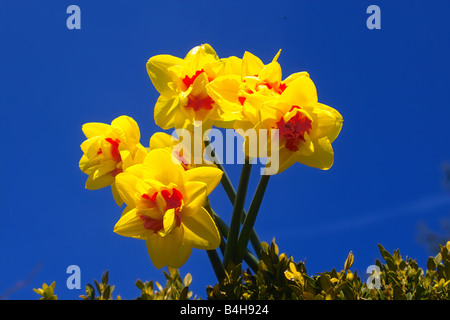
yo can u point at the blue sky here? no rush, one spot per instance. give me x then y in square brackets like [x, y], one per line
[390, 85]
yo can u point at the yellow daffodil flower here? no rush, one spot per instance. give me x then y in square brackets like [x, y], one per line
[182, 86]
[248, 77]
[108, 150]
[165, 207]
[306, 128]
[184, 151]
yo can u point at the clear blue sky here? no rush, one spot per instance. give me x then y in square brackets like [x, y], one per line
[391, 86]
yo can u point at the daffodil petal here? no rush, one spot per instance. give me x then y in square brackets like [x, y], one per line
[200, 231]
[166, 109]
[93, 129]
[105, 167]
[251, 64]
[169, 222]
[100, 182]
[301, 92]
[208, 175]
[161, 140]
[225, 89]
[158, 165]
[116, 195]
[131, 225]
[130, 127]
[157, 69]
[271, 73]
[323, 156]
[195, 196]
[126, 184]
[168, 250]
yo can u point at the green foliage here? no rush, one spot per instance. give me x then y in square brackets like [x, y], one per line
[174, 289]
[104, 290]
[47, 292]
[279, 277]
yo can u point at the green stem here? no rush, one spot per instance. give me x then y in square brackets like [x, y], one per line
[216, 264]
[231, 193]
[251, 217]
[213, 256]
[230, 250]
[251, 260]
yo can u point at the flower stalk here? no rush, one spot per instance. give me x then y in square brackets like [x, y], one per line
[231, 193]
[249, 258]
[230, 250]
[251, 217]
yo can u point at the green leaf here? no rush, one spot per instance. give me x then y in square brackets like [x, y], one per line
[325, 282]
[431, 264]
[349, 261]
[90, 291]
[105, 277]
[187, 280]
[398, 293]
[140, 285]
[106, 292]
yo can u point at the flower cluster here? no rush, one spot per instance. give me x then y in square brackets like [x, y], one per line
[164, 185]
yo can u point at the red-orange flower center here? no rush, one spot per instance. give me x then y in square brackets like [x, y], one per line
[294, 129]
[115, 149]
[206, 103]
[173, 201]
[277, 88]
[188, 81]
[115, 153]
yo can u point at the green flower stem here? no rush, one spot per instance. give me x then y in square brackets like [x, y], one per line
[216, 264]
[251, 217]
[230, 250]
[213, 256]
[251, 260]
[231, 193]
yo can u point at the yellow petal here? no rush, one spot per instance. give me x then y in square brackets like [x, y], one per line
[200, 231]
[139, 154]
[160, 166]
[105, 167]
[301, 92]
[157, 69]
[100, 182]
[323, 156]
[135, 170]
[168, 250]
[271, 73]
[166, 109]
[208, 175]
[94, 129]
[116, 195]
[251, 65]
[162, 140]
[129, 127]
[224, 90]
[169, 222]
[232, 66]
[286, 159]
[294, 76]
[195, 196]
[131, 225]
[126, 184]
[325, 123]
[336, 129]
